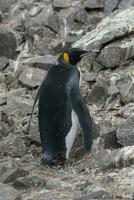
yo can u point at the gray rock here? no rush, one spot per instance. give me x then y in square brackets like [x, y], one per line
[114, 102]
[35, 150]
[42, 62]
[53, 23]
[97, 66]
[2, 77]
[110, 56]
[17, 107]
[94, 4]
[33, 137]
[3, 62]
[35, 10]
[43, 16]
[69, 21]
[93, 18]
[54, 183]
[81, 16]
[5, 95]
[125, 132]
[3, 98]
[8, 193]
[125, 4]
[12, 73]
[12, 81]
[42, 43]
[108, 137]
[12, 174]
[3, 87]
[5, 5]
[96, 193]
[29, 181]
[32, 77]
[106, 125]
[46, 196]
[18, 92]
[126, 177]
[110, 28]
[128, 95]
[40, 30]
[110, 6]
[8, 43]
[13, 146]
[116, 53]
[125, 86]
[118, 87]
[4, 128]
[118, 158]
[127, 110]
[99, 92]
[110, 140]
[90, 77]
[60, 4]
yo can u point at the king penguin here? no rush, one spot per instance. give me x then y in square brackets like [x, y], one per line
[61, 107]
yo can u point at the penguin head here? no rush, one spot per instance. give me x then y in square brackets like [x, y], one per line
[72, 56]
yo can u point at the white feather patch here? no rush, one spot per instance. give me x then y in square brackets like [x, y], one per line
[72, 133]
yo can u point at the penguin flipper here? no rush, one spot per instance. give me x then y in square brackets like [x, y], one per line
[35, 101]
[84, 117]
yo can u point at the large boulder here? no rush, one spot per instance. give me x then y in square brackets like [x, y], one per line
[118, 25]
[42, 62]
[31, 77]
[111, 28]
[116, 53]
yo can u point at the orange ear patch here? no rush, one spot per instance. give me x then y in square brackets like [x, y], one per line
[66, 57]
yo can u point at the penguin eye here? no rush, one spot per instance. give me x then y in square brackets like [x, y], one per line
[66, 57]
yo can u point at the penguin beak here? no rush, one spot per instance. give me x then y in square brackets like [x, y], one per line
[86, 53]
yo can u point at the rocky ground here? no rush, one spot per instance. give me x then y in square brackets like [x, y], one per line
[32, 34]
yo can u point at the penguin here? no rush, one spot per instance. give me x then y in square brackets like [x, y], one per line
[61, 107]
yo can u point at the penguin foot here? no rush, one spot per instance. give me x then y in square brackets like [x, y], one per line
[59, 160]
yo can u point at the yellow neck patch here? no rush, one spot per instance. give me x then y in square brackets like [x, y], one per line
[66, 57]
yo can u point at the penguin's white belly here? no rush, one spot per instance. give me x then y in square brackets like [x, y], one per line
[71, 134]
